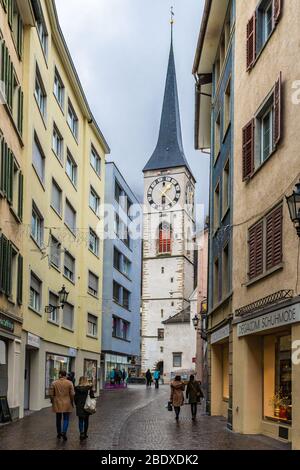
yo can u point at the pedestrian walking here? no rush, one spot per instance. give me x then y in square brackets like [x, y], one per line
[148, 378]
[124, 376]
[81, 392]
[177, 397]
[156, 377]
[71, 377]
[62, 399]
[194, 395]
[112, 376]
[118, 377]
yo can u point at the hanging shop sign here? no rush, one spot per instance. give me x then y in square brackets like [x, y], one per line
[219, 335]
[6, 324]
[282, 317]
[33, 341]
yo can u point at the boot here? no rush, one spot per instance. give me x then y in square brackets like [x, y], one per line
[82, 436]
[64, 436]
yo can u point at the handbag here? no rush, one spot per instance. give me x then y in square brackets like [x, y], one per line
[170, 407]
[90, 405]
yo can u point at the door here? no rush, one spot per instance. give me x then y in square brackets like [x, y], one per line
[3, 368]
[27, 381]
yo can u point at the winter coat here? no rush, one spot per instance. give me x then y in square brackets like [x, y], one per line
[149, 376]
[81, 393]
[177, 397]
[156, 375]
[62, 395]
[193, 391]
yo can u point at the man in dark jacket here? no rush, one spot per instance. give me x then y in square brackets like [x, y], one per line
[194, 395]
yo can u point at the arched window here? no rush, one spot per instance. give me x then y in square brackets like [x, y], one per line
[165, 238]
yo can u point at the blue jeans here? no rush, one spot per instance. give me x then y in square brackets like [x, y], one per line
[66, 418]
[83, 424]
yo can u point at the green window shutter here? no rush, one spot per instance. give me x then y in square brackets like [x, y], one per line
[10, 176]
[5, 166]
[10, 13]
[20, 110]
[20, 36]
[20, 195]
[4, 3]
[9, 270]
[2, 166]
[20, 280]
[3, 264]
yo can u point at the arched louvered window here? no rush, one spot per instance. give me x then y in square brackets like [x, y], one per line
[165, 238]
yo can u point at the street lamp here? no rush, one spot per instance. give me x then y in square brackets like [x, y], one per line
[195, 321]
[293, 202]
[63, 297]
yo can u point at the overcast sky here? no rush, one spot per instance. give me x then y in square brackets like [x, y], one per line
[120, 49]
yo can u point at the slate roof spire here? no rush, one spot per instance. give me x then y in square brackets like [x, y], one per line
[169, 151]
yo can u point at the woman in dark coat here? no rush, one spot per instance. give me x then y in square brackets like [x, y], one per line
[81, 393]
[194, 395]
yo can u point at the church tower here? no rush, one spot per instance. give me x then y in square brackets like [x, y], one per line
[168, 254]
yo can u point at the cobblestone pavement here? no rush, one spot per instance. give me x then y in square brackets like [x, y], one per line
[135, 418]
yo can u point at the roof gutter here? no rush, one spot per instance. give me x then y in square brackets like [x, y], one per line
[202, 34]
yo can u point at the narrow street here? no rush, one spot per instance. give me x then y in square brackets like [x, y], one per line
[132, 419]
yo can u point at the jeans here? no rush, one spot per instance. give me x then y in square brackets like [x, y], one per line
[83, 424]
[177, 411]
[194, 409]
[156, 383]
[66, 418]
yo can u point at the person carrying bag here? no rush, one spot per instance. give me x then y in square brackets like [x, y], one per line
[194, 395]
[85, 403]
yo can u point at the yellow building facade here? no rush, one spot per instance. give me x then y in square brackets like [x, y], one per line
[64, 174]
[15, 17]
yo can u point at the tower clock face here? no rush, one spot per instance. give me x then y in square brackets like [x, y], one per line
[164, 193]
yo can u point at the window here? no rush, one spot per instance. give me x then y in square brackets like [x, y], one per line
[172, 280]
[161, 349]
[225, 370]
[56, 198]
[17, 190]
[92, 325]
[94, 201]
[43, 34]
[116, 327]
[72, 120]
[265, 131]
[40, 93]
[95, 161]
[226, 187]
[177, 359]
[55, 251]
[93, 242]
[71, 168]
[59, 89]
[162, 313]
[117, 224]
[93, 284]
[165, 236]
[117, 260]
[35, 298]
[126, 236]
[126, 299]
[38, 159]
[217, 207]
[217, 144]
[11, 271]
[227, 107]
[125, 330]
[17, 29]
[126, 266]
[70, 217]
[265, 244]
[37, 226]
[68, 316]
[54, 302]
[163, 270]
[13, 274]
[129, 208]
[118, 192]
[57, 143]
[225, 269]
[69, 266]
[216, 285]
[117, 292]
[160, 334]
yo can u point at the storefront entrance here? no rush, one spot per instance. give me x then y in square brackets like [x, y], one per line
[3, 368]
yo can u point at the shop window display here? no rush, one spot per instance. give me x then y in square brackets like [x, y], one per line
[55, 364]
[90, 371]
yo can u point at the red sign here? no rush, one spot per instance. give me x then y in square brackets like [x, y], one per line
[194, 360]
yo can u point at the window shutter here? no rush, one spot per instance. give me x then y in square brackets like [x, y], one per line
[10, 176]
[2, 267]
[248, 150]
[277, 110]
[277, 9]
[20, 110]
[20, 36]
[20, 195]
[10, 13]
[8, 267]
[256, 260]
[274, 238]
[251, 41]
[20, 280]
[2, 166]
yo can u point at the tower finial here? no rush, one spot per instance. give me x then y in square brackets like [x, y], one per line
[172, 22]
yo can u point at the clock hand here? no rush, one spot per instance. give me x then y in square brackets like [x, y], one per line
[167, 189]
[163, 193]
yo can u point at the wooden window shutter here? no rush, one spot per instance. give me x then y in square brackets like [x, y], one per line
[274, 238]
[20, 110]
[20, 36]
[20, 196]
[251, 41]
[20, 280]
[256, 250]
[277, 9]
[10, 13]
[5, 168]
[9, 270]
[277, 110]
[10, 176]
[2, 166]
[248, 149]
[3, 264]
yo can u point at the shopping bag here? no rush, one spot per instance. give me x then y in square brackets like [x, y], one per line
[90, 405]
[170, 407]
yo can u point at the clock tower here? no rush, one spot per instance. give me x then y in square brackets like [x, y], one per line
[168, 253]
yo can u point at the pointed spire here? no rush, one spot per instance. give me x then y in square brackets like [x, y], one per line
[169, 151]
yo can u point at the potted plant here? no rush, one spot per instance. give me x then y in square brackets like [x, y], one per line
[275, 403]
[280, 404]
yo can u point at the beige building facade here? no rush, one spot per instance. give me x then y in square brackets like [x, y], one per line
[262, 369]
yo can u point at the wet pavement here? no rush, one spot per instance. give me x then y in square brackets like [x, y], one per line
[131, 419]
